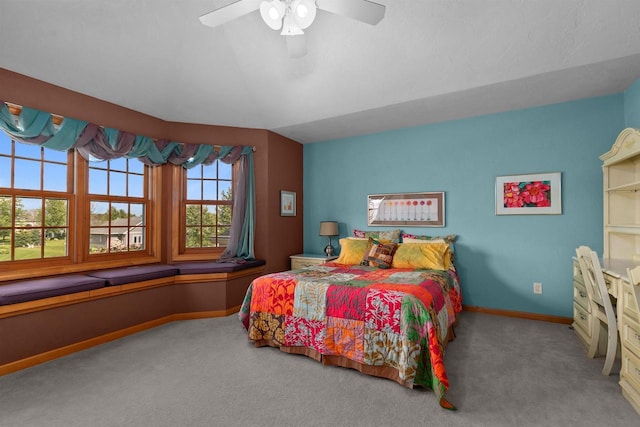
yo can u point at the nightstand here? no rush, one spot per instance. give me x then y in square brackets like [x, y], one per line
[305, 260]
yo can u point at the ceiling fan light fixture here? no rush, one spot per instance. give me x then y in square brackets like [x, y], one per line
[304, 12]
[289, 27]
[292, 16]
[272, 13]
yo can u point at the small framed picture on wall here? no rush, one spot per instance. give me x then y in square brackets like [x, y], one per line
[287, 203]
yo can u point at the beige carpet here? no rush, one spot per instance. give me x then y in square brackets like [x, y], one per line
[503, 372]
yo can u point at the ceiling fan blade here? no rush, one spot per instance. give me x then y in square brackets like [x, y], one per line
[360, 10]
[297, 46]
[229, 12]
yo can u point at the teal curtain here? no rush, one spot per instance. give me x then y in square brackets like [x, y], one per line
[247, 234]
[242, 234]
[36, 127]
[152, 152]
[190, 155]
[30, 124]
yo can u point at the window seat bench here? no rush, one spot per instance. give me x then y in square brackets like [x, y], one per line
[29, 290]
[45, 318]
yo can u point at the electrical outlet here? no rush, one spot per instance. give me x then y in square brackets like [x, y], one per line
[537, 287]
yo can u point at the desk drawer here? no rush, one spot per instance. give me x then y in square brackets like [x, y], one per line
[580, 296]
[630, 369]
[581, 321]
[628, 301]
[577, 273]
[630, 335]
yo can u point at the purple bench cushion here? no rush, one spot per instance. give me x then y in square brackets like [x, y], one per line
[137, 273]
[216, 267]
[28, 290]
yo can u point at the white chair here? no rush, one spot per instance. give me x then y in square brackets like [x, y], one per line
[602, 311]
[634, 278]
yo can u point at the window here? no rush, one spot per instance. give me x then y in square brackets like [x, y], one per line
[50, 218]
[35, 202]
[207, 206]
[118, 205]
[62, 213]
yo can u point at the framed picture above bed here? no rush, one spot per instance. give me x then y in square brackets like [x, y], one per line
[408, 209]
[533, 194]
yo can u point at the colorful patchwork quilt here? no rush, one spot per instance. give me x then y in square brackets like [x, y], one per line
[389, 318]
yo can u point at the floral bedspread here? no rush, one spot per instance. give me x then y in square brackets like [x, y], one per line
[395, 318]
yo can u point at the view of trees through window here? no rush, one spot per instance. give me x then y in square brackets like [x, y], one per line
[118, 200]
[34, 202]
[35, 233]
[208, 205]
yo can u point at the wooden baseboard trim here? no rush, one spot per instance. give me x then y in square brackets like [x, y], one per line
[519, 314]
[92, 342]
[206, 314]
[111, 336]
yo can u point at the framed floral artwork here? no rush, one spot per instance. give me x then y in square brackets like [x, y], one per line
[287, 203]
[408, 209]
[539, 193]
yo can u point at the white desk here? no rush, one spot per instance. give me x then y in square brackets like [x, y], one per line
[628, 318]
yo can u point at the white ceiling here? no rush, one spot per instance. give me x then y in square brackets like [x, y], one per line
[427, 61]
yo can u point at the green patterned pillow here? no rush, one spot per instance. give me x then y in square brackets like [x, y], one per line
[406, 238]
[381, 236]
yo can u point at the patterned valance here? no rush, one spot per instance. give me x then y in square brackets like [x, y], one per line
[97, 143]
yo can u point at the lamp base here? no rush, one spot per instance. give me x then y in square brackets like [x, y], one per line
[329, 250]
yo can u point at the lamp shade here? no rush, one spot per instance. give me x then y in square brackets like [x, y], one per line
[328, 228]
[272, 13]
[304, 12]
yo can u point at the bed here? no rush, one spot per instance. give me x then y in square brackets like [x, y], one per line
[384, 308]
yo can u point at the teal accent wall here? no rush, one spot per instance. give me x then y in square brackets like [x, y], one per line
[498, 257]
[632, 105]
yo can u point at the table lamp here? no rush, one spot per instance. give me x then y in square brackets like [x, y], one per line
[329, 229]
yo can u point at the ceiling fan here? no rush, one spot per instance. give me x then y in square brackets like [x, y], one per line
[293, 16]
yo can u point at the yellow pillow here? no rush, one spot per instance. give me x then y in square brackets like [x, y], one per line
[447, 239]
[432, 256]
[352, 251]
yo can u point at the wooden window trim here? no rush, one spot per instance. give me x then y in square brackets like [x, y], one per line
[178, 252]
[78, 260]
[153, 217]
[68, 195]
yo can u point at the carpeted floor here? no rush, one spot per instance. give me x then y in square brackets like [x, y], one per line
[503, 372]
